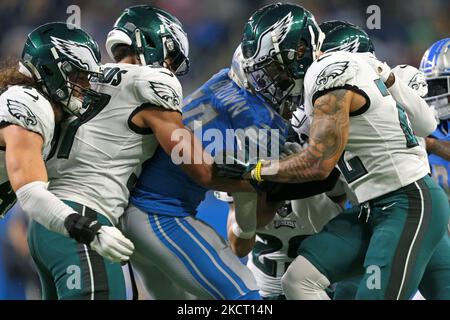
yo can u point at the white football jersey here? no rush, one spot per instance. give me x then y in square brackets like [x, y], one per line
[26, 107]
[98, 161]
[277, 243]
[415, 79]
[382, 154]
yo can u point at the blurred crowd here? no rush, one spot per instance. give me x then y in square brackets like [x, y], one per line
[214, 28]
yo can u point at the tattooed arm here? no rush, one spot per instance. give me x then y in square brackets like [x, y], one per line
[327, 140]
[439, 148]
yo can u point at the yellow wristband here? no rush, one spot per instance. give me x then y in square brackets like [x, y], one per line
[257, 172]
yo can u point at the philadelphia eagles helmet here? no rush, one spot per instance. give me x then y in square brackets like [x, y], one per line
[154, 34]
[345, 36]
[58, 56]
[435, 65]
[279, 43]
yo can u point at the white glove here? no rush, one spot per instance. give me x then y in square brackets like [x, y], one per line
[112, 244]
[380, 68]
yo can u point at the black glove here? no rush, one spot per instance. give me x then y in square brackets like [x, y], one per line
[81, 228]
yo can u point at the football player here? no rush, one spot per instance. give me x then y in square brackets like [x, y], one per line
[99, 156]
[403, 210]
[46, 85]
[435, 65]
[347, 37]
[276, 244]
[172, 245]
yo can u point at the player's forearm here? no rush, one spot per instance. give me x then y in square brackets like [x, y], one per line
[328, 137]
[438, 147]
[297, 168]
[229, 185]
[420, 114]
[241, 247]
[43, 206]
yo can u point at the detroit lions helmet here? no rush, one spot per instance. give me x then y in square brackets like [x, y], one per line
[155, 35]
[435, 65]
[57, 55]
[279, 43]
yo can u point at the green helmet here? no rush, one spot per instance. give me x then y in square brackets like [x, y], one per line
[154, 34]
[56, 52]
[345, 36]
[279, 44]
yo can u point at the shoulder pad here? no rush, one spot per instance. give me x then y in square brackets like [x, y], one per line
[26, 107]
[331, 70]
[160, 87]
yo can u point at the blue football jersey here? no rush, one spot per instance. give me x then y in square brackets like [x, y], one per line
[213, 112]
[440, 168]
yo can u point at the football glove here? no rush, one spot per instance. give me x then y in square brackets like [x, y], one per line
[107, 241]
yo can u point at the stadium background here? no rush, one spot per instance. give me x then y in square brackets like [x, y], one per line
[214, 28]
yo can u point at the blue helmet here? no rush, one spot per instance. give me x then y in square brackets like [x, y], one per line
[435, 65]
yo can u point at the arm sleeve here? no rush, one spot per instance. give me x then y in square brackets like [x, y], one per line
[419, 113]
[293, 191]
[43, 206]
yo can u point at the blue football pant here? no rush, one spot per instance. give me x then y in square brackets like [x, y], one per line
[189, 255]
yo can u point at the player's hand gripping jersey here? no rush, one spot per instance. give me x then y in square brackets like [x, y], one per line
[380, 137]
[101, 155]
[26, 107]
[219, 105]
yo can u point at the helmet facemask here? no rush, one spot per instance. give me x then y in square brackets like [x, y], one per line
[279, 54]
[435, 65]
[157, 37]
[73, 89]
[438, 96]
[174, 58]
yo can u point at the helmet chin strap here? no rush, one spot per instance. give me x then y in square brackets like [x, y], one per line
[276, 46]
[140, 49]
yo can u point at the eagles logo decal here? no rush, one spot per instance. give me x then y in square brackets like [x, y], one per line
[166, 93]
[417, 81]
[351, 46]
[277, 32]
[177, 32]
[80, 54]
[21, 112]
[332, 71]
